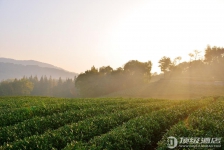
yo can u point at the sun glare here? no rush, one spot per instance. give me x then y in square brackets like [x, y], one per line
[170, 28]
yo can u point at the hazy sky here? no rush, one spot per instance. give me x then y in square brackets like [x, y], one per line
[77, 34]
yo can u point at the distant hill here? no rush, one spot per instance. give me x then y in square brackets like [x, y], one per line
[28, 62]
[10, 69]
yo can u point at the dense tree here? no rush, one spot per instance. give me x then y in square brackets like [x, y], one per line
[137, 71]
[214, 58]
[214, 53]
[105, 70]
[97, 82]
[16, 87]
[211, 68]
[87, 82]
[94, 83]
[164, 64]
[42, 87]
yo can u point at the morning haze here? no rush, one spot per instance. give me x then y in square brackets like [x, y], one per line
[75, 35]
[111, 74]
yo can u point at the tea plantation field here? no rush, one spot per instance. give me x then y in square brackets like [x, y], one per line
[109, 123]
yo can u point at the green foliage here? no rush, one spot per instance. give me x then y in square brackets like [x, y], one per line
[209, 68]
[83, 130]
[39, 125]
[141, 132]
[138, 71]
[95, 83]
[17, 115]
[17, 87]
[165, 64]
[34, 86]
[206, 122]
[213, 53]
[104, 123]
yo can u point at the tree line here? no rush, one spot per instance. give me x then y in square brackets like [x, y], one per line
[96, 82]
[211, 67]
[104, 80]
[39, 87]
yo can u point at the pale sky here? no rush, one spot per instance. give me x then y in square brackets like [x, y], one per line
[77, 34]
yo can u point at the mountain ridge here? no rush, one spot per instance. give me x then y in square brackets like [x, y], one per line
[11, 69]
[28, 62]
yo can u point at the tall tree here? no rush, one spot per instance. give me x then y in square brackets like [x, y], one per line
[138, 72]
[213, 54]
[165, 64]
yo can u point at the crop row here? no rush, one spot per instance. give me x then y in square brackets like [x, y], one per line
[29, 102]
[205, 123]
[39, 125]
[82, 130]
[7, 103]
[18, 102]
[139, 133]
[19, 115]
[13, 116]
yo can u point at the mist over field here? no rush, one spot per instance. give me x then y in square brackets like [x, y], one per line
[111, 75]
